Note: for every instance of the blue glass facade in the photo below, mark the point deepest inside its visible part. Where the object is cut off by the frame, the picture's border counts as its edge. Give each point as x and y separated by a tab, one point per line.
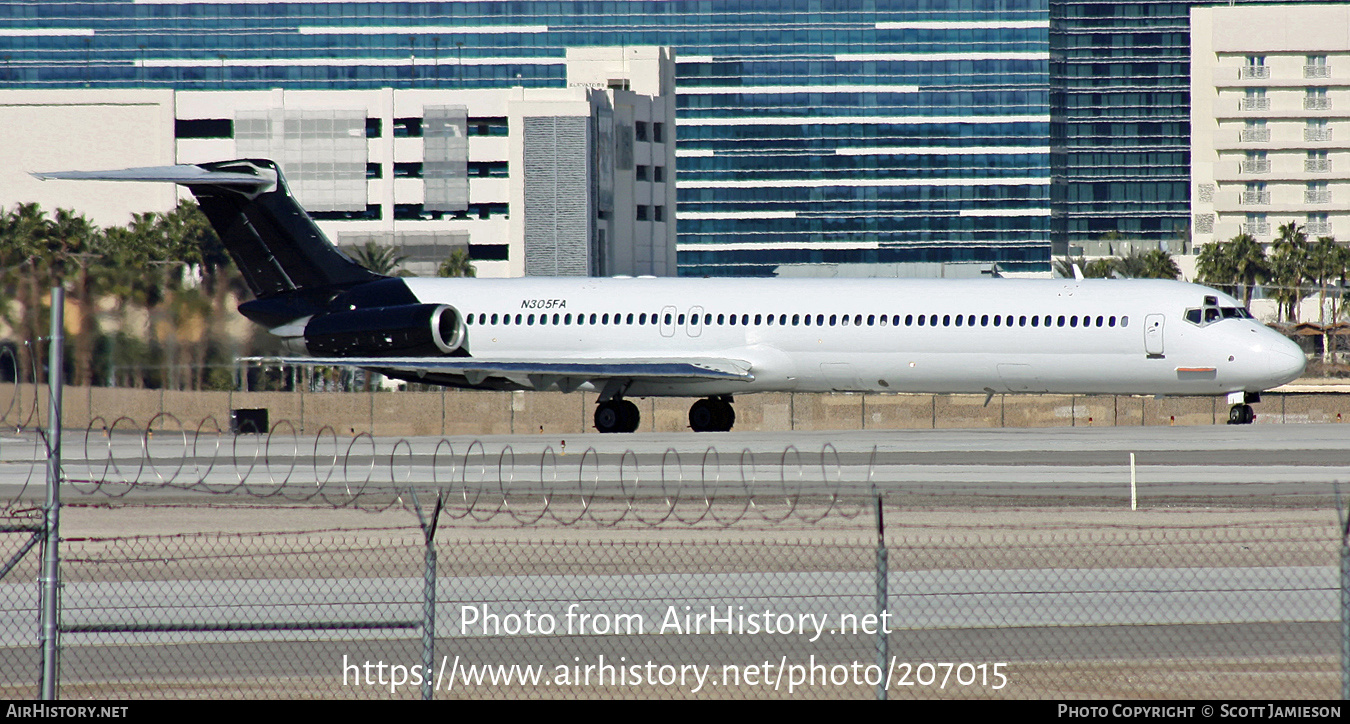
809	131
1120	103
1121	122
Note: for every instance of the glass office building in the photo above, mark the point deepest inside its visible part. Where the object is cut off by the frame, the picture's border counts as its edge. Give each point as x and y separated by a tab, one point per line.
808	131
1120	103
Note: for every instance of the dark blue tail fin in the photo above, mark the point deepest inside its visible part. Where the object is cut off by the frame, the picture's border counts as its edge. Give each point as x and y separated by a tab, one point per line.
288	263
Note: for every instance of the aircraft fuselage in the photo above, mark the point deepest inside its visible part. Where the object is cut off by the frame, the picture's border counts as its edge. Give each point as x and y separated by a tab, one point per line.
883	335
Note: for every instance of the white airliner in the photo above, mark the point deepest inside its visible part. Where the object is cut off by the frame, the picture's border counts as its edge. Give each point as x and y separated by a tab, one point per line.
717	338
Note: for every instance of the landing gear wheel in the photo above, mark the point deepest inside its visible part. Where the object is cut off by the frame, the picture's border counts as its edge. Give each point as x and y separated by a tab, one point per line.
1241	415
703	416
726	416
628	416
617	416
711	416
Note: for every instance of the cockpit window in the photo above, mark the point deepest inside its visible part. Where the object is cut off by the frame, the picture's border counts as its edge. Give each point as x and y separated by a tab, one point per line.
1209	315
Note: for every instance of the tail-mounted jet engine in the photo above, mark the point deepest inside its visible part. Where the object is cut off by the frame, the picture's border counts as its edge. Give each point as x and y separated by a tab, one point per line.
409	330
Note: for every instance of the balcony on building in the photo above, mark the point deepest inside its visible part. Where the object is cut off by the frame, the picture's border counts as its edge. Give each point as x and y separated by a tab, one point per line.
1257	228
1250	198
1317	228
1316	103
1254	104
1252	72
1316	71
1317	134
1317	165
1256	165
1256	135
1317	196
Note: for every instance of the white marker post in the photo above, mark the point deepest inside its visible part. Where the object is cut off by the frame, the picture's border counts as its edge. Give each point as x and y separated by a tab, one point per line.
1134	499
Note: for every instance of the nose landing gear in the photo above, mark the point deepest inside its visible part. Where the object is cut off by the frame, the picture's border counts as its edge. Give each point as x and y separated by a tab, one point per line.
1241	411
1241	415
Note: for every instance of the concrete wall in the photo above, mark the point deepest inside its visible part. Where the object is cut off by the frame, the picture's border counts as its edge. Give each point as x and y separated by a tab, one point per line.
452	412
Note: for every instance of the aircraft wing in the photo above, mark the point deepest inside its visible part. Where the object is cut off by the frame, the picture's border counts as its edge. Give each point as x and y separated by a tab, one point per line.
566	374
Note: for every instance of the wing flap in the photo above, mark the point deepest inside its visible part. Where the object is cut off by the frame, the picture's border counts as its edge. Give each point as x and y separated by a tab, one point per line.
542	374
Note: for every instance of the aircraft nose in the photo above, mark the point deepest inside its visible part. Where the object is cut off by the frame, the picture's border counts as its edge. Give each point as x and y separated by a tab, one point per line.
1285	362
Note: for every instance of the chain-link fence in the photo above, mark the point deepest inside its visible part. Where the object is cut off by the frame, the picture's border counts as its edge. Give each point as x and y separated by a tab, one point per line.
317	602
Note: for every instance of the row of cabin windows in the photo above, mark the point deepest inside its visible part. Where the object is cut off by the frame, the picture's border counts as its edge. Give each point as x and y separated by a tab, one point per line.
807	320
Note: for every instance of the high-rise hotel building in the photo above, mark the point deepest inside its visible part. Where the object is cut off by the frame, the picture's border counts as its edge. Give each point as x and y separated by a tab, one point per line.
1270	138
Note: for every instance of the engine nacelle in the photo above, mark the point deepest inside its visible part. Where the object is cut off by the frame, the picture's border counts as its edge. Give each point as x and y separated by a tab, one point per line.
409	330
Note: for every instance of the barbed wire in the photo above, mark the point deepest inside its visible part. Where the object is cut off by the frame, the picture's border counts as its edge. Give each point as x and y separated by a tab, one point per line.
118	457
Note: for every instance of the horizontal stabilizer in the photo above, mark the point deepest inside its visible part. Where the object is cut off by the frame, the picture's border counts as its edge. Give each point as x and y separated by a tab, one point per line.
183	174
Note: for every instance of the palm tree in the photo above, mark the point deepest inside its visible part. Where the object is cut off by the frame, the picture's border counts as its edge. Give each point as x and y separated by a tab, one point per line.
23	256
377	258
1249	263
1152	264
1327	263
74	240
1095	269
1064	267
1214	266
124	277
1235	266
1289	268
457	264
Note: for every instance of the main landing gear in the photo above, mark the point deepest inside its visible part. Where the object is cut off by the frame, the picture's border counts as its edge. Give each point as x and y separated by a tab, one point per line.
617	415
714	414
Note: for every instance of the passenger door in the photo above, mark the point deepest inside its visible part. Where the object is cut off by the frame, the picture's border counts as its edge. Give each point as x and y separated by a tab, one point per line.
1153	335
